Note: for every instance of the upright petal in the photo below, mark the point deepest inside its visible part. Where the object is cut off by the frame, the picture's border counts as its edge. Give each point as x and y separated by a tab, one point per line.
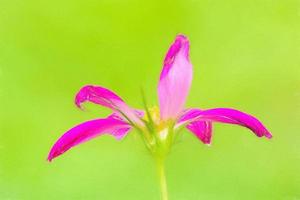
229	116
109	99
175	79
86	131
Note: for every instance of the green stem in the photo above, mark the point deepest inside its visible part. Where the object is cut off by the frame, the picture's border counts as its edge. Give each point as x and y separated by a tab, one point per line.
160	163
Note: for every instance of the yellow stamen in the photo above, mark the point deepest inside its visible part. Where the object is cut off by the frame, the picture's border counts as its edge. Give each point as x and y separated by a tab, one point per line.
154	114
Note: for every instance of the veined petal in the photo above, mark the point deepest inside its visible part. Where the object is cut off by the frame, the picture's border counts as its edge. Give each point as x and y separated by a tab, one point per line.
109	99
175	79
202	129
86	131
229	116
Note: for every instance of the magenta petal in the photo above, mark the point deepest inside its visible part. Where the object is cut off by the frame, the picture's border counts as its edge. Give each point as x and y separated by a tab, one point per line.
109	99
97	95
86	131
175	79
229	116
202	129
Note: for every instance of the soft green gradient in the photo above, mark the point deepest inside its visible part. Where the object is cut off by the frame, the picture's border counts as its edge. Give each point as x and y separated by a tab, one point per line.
246	55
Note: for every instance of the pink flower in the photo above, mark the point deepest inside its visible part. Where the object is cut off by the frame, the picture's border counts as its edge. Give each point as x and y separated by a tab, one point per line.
156	126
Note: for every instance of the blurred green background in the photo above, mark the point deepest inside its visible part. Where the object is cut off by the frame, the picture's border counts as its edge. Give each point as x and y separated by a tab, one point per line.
246	55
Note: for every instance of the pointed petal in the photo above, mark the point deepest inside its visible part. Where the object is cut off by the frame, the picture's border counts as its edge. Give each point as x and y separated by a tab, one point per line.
86	131
229	116
109	99
175	79
202	129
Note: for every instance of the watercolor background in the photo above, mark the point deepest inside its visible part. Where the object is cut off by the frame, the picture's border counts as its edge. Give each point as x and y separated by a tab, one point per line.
246	55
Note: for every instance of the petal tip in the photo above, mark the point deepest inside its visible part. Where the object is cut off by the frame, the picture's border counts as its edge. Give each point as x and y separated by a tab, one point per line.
79	105
182	38
268	135
49	158
52	154
207	142
181	43
82	95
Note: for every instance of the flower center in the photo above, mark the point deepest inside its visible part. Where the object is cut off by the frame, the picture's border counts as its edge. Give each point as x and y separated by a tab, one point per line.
161	127
154	115
159	133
